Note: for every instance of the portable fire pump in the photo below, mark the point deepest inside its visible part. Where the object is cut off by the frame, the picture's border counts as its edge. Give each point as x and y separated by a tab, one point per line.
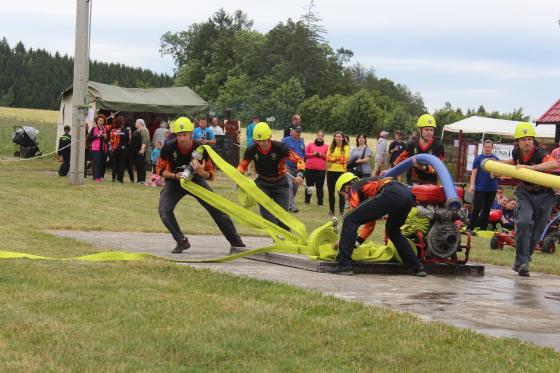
442	243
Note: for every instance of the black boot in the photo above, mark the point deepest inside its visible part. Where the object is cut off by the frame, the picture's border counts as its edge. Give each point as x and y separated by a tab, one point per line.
419	271
234	248
523	270
181	246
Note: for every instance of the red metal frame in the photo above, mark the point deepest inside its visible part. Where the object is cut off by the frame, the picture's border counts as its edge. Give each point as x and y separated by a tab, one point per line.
505	238
425	259
508	238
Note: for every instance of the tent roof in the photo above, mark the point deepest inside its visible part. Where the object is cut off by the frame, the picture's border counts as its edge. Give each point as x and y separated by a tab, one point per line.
491	126
551	116
172	100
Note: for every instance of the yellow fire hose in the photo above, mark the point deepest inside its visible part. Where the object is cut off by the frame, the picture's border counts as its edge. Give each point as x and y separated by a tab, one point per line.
524	174
318	246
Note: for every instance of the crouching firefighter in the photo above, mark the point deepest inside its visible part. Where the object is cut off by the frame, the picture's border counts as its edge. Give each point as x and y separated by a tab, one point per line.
176	158
370	199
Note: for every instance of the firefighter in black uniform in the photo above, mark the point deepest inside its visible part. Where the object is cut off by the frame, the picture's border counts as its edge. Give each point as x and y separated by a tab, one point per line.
64	151
426	144
534	202
370	199
174	155
269	158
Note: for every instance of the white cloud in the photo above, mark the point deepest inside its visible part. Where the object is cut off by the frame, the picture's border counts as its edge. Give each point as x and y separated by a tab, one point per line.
480	68
379	31
402	16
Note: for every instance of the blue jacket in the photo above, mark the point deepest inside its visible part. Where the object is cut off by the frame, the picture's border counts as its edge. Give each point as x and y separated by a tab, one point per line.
297	146
249	133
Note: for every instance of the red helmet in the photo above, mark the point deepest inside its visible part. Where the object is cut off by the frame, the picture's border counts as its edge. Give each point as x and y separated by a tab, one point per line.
494	216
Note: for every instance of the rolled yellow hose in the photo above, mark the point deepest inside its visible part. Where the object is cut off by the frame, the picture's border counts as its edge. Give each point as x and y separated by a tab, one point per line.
524	174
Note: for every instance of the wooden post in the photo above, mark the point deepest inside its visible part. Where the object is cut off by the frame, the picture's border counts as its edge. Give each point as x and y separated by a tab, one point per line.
459	157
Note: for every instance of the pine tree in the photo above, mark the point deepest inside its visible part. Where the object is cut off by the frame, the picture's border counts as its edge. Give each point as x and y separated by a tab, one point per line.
35	78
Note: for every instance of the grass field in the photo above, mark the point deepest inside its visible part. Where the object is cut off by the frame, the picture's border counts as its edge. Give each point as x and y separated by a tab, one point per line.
156	316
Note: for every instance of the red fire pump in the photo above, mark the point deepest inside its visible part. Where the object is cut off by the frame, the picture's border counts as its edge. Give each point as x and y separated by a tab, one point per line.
443	240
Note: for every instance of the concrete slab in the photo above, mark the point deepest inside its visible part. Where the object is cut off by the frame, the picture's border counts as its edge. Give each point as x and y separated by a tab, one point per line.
499	304
303	262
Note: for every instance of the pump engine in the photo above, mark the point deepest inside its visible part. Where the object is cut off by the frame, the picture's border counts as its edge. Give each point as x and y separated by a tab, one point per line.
443	239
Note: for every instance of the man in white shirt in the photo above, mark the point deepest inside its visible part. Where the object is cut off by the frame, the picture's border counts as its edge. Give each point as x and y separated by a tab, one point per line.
380	154
159	134
215	127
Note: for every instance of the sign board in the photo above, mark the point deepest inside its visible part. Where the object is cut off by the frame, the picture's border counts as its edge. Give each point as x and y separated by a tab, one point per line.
471	154
90	116
502	151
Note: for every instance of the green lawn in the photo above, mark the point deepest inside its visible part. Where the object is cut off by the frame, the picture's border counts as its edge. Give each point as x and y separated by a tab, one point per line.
547	263
157	316
154	316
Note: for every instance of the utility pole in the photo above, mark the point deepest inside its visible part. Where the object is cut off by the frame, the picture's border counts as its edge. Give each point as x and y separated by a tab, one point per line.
79	90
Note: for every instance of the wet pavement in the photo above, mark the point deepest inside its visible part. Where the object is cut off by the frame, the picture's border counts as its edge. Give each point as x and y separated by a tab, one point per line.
499	304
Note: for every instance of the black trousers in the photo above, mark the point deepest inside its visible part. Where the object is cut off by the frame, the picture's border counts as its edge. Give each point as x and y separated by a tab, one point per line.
140	164
482	204
279	192
119	160
65	166
130	165
395	200
315	178
99	159
172	193
332	177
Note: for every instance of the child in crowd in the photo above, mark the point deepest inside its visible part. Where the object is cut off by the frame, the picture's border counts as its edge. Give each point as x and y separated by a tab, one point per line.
500	202
64	151
508	221
155	155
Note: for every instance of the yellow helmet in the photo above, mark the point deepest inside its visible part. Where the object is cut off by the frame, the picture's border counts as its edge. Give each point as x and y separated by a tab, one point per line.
426	120
524	129
182	124
261	131
344	179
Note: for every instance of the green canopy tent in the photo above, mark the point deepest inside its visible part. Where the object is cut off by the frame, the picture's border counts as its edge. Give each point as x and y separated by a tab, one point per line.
172	101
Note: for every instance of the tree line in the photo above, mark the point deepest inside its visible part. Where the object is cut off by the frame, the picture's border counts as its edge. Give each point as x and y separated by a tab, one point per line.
292	69
34	78
289	69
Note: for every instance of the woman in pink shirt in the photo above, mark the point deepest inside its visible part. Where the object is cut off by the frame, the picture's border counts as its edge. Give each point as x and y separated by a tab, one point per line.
315	166
98	139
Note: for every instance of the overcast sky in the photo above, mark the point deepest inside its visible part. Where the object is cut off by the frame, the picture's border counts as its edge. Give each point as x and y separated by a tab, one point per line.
501	54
